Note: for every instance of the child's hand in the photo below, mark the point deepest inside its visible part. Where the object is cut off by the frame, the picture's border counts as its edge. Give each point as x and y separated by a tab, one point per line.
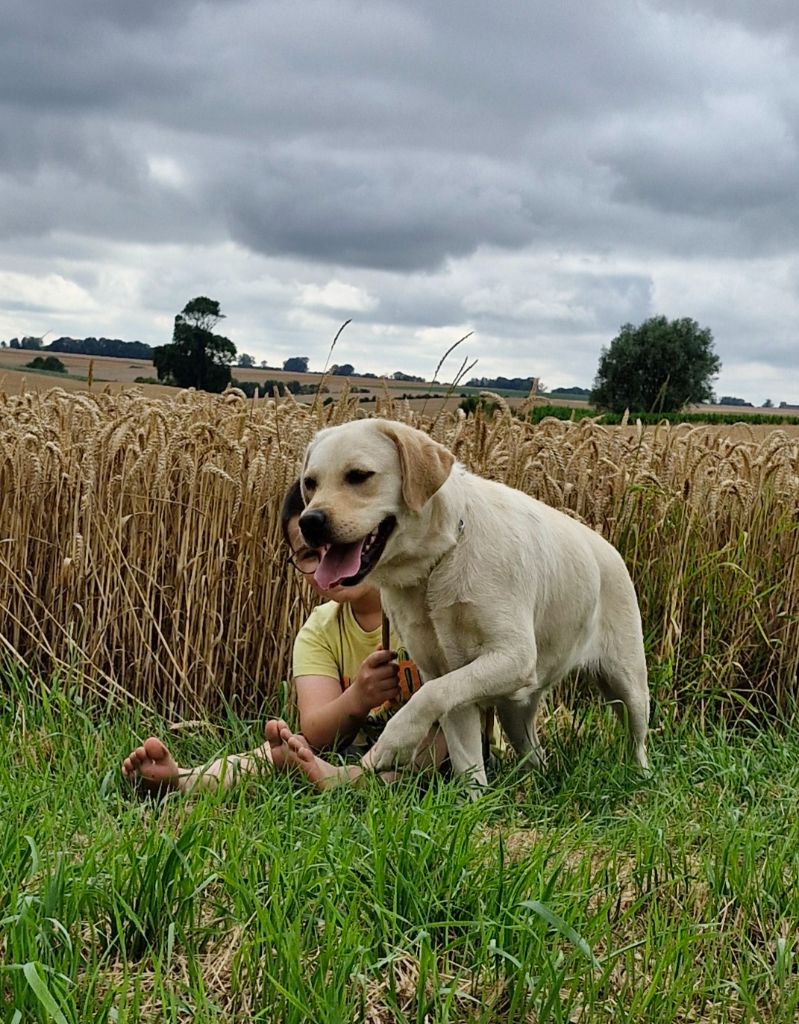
377	681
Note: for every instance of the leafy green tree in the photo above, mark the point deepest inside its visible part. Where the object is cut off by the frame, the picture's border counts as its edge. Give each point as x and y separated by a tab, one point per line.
659	366
345	370
296	364
52	364
197	357
246	361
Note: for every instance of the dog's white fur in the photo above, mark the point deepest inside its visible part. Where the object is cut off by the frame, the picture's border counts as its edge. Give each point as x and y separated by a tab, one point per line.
495	595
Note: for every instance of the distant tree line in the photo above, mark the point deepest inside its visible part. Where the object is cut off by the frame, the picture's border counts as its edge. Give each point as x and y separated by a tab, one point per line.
732	400
583	392
409	377
102	347
519	384
87	347
506	383
267	388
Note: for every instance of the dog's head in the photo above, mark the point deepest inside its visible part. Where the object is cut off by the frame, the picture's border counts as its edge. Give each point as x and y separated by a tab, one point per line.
358	481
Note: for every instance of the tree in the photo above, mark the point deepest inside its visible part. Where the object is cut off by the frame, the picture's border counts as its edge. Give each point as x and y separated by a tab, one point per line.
296	364
345	370
197	357
52	364
246	361
399	375
659	366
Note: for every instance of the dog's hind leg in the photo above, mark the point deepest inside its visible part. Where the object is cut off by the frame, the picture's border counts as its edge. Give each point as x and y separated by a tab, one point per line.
464	737
518	719
625	687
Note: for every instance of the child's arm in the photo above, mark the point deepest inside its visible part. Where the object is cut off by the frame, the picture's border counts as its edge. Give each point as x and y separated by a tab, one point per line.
330	716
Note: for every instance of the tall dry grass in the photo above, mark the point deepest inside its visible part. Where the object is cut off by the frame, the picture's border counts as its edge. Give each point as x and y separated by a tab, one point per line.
140	546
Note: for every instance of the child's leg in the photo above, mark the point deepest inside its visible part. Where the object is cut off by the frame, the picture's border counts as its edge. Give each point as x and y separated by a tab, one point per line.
431	754
153	767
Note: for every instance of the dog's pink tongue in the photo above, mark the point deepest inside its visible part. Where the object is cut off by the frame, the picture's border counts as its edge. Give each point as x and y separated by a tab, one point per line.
339	563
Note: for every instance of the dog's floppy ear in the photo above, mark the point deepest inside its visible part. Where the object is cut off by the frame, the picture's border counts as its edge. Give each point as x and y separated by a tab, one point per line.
424	463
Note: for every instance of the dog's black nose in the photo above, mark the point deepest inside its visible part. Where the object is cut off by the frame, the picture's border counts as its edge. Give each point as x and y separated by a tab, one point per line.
315	527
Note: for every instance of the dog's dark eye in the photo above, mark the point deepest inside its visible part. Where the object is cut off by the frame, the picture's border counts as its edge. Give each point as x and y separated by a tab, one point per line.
309	484
358	476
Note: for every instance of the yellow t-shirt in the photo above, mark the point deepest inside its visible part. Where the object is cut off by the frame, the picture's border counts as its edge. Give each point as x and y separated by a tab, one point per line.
331	643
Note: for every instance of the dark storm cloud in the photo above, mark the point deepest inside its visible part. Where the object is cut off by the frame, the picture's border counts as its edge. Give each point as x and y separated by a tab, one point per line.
448	166
386	212
388	135
90	55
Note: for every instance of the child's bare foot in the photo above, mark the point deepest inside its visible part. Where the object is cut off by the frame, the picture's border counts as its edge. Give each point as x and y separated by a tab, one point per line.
279	752
317	771
152	767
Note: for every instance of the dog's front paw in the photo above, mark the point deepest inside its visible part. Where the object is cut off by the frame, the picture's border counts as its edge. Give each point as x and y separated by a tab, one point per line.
397	744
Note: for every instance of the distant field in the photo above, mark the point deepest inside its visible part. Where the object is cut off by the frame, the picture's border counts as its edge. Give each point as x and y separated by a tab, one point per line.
117	375
16	378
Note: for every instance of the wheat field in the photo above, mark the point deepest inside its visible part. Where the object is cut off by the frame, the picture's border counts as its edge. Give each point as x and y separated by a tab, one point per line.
141	557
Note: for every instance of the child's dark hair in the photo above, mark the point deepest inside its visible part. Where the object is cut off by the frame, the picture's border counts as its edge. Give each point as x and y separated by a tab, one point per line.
292	507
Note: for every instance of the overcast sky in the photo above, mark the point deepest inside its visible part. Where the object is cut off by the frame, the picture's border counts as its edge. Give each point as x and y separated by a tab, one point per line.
538	172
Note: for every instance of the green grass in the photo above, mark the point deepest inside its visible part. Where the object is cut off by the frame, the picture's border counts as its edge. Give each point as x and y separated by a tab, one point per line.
57	374
586	894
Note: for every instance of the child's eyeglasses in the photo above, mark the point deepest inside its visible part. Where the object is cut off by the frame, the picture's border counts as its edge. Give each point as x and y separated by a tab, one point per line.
306	561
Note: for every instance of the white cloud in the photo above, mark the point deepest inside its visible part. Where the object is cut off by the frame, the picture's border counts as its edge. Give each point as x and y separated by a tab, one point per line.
166	170
339	296
29	299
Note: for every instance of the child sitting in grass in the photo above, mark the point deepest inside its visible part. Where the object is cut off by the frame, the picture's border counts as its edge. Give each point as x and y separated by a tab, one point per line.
347	687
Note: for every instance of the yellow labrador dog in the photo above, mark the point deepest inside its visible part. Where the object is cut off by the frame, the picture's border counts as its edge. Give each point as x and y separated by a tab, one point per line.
495	595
